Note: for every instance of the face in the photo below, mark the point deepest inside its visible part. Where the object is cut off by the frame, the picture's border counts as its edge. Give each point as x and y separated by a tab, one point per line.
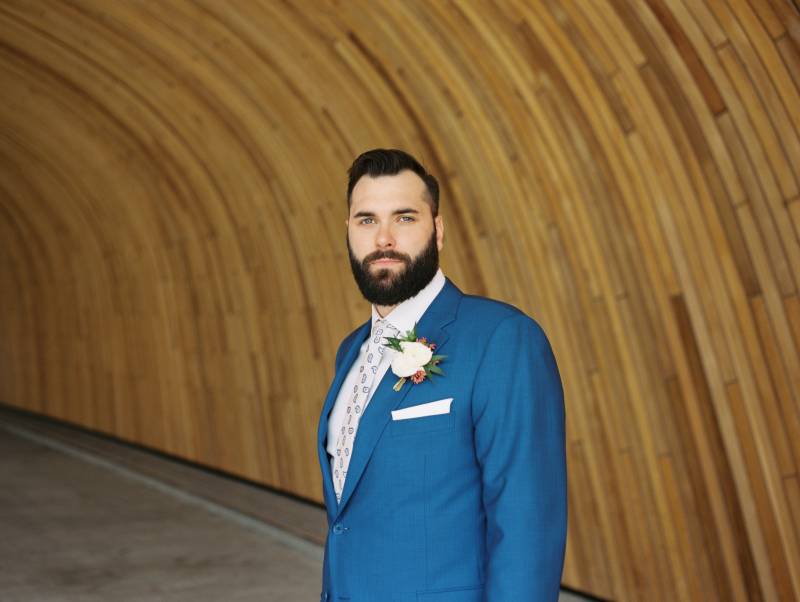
392	237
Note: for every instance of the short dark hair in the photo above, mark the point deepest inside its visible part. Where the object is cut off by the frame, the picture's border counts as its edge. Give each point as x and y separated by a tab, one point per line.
390	162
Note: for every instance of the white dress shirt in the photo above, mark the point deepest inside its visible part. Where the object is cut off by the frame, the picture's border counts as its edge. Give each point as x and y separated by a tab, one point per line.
403	317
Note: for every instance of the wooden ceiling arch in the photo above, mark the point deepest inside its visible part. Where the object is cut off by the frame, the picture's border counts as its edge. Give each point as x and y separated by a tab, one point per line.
173	269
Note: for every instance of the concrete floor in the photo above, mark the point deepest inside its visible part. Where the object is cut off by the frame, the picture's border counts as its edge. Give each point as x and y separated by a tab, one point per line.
82	520
73	530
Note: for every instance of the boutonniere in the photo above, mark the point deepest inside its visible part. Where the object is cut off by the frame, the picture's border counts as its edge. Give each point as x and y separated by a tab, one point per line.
415	358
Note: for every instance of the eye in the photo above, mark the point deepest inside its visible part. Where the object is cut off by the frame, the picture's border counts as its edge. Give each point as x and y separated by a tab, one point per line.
407	218
366	220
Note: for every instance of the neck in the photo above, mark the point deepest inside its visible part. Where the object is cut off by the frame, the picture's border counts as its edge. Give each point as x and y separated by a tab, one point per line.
384	310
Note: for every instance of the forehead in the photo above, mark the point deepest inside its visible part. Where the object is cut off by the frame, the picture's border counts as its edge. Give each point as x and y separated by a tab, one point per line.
385	192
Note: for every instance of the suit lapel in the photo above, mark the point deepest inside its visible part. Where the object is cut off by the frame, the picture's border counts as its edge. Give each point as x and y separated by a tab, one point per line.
375	418
322	430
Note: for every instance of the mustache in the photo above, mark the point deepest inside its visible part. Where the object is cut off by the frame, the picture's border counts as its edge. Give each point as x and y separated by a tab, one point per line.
386	255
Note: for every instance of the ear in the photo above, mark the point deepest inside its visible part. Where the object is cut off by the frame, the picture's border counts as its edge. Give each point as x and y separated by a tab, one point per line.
439	231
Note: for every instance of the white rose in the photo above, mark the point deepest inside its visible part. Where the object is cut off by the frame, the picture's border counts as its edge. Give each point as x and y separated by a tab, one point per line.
413	357
419	352
403	366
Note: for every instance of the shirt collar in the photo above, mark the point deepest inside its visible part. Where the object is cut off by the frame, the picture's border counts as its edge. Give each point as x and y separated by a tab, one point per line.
409	312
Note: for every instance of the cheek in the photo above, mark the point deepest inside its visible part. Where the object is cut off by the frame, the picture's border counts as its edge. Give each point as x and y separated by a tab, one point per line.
417	240
358	244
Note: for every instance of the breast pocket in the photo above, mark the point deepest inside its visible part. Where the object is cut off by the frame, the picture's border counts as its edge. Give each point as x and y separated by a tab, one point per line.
439	423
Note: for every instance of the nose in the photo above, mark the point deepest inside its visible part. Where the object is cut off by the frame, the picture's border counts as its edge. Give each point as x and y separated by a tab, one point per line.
384	239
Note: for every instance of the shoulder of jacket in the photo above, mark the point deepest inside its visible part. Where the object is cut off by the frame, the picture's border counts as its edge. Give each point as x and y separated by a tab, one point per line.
490	309
488	315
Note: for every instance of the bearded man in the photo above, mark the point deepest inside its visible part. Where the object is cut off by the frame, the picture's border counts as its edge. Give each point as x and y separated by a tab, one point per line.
441	440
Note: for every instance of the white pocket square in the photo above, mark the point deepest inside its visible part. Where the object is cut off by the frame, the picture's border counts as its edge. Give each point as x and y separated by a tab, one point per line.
432	408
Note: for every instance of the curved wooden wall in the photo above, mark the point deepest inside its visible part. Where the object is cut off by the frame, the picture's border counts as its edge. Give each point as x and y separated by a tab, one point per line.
173	268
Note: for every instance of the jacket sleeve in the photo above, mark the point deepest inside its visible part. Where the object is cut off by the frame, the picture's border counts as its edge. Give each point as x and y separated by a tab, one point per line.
518	412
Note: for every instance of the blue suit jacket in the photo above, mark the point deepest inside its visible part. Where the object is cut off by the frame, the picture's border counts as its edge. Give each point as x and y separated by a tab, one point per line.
469	506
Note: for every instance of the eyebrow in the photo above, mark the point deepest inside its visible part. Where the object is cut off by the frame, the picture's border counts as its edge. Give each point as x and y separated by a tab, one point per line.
395	212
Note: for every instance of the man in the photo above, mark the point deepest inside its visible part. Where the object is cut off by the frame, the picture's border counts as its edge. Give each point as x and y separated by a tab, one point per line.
444	469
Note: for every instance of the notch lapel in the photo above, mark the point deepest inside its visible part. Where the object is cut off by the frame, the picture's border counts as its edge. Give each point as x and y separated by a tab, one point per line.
322	429
378	412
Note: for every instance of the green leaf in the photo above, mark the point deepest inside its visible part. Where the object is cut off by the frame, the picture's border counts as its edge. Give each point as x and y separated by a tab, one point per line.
393	343
436	370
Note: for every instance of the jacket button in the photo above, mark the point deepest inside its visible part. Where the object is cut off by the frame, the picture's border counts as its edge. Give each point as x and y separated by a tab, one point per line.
338	528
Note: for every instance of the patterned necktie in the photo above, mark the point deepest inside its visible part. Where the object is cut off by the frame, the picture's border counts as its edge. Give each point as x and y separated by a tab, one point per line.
358	402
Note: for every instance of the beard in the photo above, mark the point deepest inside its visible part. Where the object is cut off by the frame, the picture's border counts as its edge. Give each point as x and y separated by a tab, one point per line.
386	287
